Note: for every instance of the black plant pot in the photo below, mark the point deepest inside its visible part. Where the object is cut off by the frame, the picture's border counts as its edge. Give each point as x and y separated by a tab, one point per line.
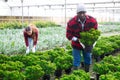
58	73
97	76
97	59
67	71
46	77
102	56
107	54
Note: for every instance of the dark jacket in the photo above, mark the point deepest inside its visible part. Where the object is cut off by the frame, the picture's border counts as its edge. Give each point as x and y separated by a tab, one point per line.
74	28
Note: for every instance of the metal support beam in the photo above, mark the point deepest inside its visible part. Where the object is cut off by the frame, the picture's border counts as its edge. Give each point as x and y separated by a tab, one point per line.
22	12
65	12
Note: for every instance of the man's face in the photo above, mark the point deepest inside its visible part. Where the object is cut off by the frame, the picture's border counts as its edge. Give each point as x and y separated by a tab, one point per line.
81	14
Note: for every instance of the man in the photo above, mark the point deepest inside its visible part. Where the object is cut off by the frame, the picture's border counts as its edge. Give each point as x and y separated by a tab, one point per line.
79	23
31	37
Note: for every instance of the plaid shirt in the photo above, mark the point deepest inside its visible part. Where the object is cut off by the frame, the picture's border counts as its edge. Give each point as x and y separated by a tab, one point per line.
74	27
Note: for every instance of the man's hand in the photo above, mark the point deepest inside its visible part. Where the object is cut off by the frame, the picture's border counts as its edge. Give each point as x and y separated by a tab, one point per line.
82	45
28	50
94	44
74	39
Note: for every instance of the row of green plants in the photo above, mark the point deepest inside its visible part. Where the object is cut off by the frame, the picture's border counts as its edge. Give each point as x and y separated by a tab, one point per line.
18	25
110	28
76	75
34	66
106	45
109	23
111	76
110	65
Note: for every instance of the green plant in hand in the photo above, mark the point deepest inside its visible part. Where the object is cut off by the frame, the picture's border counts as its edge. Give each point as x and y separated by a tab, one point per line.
89	37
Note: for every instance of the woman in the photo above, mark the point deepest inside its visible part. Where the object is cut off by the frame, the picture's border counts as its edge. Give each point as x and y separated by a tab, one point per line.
31	37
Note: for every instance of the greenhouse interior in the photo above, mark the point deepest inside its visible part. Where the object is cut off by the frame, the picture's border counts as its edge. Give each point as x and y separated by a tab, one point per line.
59	39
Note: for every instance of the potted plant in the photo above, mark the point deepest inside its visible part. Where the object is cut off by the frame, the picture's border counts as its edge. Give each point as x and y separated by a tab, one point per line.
63	63
88	38
48	68
68	63
33	72
13	75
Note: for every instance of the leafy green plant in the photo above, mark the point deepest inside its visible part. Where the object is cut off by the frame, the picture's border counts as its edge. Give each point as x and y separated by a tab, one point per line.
76	75
110	76
13	75
89	37
101	68
33	72
52	54
10	66
30	60
97	51
107	77
63	62
47	66
4	58
1	74
70	77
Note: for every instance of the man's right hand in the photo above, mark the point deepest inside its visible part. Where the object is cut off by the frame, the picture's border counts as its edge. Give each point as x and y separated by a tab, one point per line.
74	38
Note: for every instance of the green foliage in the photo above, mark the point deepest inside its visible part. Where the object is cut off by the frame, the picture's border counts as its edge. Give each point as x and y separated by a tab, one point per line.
18	25
110	76
70	77
13	75
65	60
106	45
4	58
47	66
109	23
112	60
107	77
108	64
97	51
52	54
10	66
17	57
30	60
1	73
89	37
76	75
43	24
55	53
68	47
101	68
44	56
12	25
33	72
